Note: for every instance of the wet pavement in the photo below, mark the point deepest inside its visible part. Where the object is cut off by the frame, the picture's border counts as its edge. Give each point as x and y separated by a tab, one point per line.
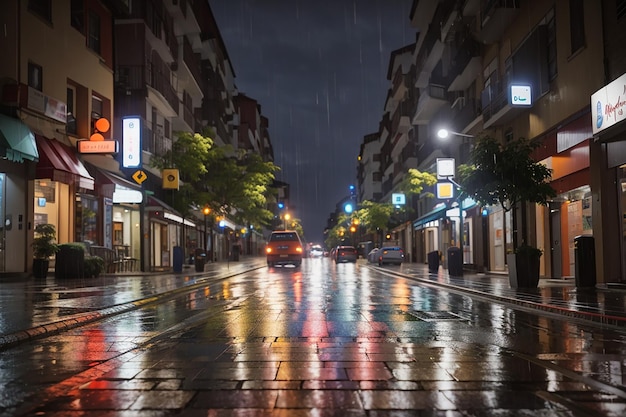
349	343
33	308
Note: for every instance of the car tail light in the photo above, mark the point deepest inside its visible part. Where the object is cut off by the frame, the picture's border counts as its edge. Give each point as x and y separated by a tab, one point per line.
299	249
268	250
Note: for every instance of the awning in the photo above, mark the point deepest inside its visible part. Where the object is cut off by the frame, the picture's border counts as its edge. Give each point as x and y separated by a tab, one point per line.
169	213
429	217
17	142
119	189
59	163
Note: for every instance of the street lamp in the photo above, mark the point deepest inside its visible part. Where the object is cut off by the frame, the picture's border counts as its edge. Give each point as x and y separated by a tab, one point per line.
444	133
286	218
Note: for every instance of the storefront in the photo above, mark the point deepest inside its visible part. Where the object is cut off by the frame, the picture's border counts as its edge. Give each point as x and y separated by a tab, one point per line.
18	156
63	194
608	179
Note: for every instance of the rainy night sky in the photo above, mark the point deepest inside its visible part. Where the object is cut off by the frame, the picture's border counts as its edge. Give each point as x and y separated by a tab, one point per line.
318	68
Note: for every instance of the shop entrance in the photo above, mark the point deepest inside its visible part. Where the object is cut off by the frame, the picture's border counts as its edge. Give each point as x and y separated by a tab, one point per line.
623	215
2	226
555	240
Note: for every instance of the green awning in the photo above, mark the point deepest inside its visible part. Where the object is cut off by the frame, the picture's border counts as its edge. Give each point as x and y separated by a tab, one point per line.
17	142
435	214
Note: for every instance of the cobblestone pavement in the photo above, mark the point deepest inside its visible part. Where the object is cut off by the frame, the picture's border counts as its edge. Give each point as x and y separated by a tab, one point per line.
335	340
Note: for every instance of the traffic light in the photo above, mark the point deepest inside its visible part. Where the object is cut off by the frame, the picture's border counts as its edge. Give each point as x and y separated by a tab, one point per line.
281	205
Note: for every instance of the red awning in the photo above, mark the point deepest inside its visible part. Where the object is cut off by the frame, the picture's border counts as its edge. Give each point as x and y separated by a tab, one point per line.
58	162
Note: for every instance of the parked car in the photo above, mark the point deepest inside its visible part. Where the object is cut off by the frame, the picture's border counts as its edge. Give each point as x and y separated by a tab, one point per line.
284	248
390	255
316	251
372	256
345	254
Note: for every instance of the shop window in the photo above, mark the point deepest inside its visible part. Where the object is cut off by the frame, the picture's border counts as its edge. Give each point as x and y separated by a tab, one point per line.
87	220
42	8
44	189
35	76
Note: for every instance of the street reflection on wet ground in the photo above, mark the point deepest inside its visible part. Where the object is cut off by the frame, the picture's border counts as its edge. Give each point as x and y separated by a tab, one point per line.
321	340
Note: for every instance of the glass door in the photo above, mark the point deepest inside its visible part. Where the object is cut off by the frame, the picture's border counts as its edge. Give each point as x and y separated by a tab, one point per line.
2	229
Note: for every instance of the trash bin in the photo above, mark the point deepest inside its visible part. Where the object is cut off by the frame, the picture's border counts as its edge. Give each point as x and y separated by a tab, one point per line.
178	259
200	259
433	262
455	261
585	261
235	252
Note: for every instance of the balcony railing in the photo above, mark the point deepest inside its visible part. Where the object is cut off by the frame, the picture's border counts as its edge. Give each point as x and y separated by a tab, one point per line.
137	77
159	79
192	60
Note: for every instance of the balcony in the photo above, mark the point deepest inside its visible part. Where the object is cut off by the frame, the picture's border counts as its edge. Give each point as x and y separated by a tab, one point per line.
192	61
155	79
497	15
399	85
466	65
422	12
428	56
431	99
408	156
401	120
154	143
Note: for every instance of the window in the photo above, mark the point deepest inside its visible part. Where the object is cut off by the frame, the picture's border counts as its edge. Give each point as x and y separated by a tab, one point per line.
621	8
70	126
77	15
576	24
42	8
35	76
551	25
93	38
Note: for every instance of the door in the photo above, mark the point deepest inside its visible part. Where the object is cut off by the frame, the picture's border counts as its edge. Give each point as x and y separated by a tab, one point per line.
2	226
623	214
555	240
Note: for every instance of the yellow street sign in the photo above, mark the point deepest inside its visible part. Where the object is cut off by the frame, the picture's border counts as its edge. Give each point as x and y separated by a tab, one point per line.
139	176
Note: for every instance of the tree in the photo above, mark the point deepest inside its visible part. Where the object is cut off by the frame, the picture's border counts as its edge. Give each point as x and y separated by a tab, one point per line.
506	175
414	182
233	183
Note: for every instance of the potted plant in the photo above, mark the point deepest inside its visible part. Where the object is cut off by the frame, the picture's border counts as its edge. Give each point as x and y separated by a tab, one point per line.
70	261
505	174
94	265
44	247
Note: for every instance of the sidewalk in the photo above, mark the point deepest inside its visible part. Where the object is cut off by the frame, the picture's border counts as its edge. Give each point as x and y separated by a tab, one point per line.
32	308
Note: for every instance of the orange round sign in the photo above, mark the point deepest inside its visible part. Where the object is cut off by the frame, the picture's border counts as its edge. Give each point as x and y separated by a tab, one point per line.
102	125
96	137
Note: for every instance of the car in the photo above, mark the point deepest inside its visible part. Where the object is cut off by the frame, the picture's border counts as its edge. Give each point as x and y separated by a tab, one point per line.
316	251
284	247
372	256
345	254
390	255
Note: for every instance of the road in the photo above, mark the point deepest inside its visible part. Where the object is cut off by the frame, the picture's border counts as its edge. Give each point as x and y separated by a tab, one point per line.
321	340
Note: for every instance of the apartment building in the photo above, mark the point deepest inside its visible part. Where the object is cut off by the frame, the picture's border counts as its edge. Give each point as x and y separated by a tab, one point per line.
57	82
471	61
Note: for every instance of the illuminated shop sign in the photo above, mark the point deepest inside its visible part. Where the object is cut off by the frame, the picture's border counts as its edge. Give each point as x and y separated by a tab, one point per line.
131	147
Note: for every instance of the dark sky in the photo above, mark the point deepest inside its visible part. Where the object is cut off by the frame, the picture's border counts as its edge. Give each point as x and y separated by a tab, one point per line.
318	68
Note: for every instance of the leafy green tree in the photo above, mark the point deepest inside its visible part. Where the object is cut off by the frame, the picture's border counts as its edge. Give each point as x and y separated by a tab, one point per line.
233	183
414	182
505	174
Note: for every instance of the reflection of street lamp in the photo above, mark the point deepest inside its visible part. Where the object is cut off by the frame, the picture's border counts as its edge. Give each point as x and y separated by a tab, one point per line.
286	218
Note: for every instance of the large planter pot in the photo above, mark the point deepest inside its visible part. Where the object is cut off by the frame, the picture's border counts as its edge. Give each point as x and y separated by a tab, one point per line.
40	268
70	262
523	270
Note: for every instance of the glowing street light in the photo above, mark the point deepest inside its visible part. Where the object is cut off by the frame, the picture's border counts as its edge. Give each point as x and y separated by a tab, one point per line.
444	133
286	218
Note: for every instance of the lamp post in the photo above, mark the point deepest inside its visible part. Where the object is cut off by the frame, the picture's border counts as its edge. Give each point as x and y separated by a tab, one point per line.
286	218
444	134
206	211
